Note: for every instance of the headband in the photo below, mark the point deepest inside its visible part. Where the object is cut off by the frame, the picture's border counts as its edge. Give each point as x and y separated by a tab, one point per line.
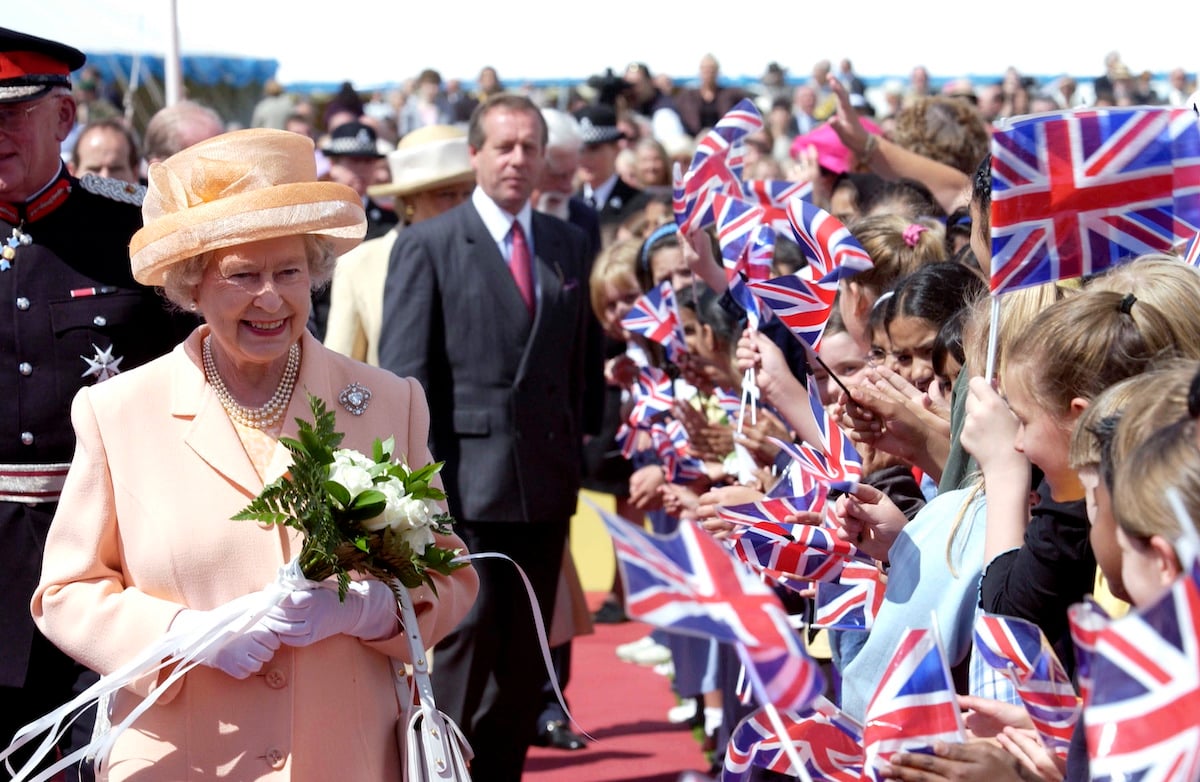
660	233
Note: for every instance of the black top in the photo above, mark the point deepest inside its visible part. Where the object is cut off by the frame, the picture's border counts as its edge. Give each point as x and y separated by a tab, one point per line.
1054	568
68	296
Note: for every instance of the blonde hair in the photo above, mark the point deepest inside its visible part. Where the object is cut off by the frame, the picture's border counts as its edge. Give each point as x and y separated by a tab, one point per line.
1160	399
1095	426
1166	459
1168	284
882	236
1083	344
616	264
1016	309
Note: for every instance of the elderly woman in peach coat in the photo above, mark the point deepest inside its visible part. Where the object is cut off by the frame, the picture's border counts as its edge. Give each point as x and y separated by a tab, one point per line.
237	230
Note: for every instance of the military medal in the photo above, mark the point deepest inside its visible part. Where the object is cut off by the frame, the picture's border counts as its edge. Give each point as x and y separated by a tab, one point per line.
102	366
355	398
7	253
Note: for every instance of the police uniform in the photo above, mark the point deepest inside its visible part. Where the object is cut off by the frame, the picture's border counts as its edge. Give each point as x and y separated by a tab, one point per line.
70	315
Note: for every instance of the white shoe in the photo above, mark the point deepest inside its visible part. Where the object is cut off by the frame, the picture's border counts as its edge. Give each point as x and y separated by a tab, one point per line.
655	654
684	712
665	669
627	651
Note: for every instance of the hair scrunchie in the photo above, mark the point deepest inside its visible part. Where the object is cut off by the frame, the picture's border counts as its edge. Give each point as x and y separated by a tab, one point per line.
912	234
1126	305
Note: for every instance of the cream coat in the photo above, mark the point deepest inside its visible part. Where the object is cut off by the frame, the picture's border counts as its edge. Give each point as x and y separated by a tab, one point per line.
356	299
143	531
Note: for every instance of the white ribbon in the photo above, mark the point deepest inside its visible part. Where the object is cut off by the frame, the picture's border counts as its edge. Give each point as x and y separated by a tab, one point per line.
180	651
538	625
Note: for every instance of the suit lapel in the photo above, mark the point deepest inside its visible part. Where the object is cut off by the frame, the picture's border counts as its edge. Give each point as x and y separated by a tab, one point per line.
211	435
483	258
313	379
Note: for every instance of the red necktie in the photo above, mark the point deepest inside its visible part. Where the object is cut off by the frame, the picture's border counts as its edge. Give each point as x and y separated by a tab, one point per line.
520	265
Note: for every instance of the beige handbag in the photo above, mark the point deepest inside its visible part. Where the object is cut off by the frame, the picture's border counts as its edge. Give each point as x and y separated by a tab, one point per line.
432	748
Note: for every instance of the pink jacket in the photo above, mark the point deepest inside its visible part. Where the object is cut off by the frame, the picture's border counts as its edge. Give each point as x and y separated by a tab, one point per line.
143	530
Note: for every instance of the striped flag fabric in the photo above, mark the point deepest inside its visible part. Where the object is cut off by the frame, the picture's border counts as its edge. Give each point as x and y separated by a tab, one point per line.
852	601
828	753
1141	720
831	249
1191	252
716	167
688	583
1018	649
653	396
914	704
1086	620
655	316
1076	192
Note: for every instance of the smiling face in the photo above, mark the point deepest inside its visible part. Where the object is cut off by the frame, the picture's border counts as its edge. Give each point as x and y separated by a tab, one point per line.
256	299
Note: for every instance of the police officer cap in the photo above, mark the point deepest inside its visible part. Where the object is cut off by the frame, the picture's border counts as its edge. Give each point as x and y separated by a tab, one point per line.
31	66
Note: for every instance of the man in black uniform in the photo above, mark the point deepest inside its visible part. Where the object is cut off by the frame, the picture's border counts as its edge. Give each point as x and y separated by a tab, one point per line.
70	315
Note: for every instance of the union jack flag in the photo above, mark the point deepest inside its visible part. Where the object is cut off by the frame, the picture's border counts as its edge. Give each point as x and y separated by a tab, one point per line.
794	551
774	195
653	395
716	167
1020	651
853	601
1191	253
688	583
1142	718
842	461
655	316
736	221
1076	192
827	752
671	444
831	249
753	266
804	306
775	510
914	705
1086	619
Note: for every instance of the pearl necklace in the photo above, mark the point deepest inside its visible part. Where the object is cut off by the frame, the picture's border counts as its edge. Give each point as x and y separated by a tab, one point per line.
254	417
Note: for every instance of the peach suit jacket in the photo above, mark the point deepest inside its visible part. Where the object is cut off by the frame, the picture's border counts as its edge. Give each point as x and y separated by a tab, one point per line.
143	530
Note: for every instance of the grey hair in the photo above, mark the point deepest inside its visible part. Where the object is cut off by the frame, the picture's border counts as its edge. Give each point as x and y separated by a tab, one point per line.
563	130
181	280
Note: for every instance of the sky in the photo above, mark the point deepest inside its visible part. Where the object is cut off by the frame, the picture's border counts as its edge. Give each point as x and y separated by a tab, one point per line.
387	41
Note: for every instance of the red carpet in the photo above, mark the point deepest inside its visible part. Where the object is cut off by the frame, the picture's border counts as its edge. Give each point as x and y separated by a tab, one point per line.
624	706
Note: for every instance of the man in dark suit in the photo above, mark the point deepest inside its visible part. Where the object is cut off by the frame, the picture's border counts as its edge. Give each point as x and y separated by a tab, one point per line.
487	305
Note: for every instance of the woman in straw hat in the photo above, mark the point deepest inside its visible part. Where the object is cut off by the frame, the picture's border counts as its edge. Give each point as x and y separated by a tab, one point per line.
431	173
238	230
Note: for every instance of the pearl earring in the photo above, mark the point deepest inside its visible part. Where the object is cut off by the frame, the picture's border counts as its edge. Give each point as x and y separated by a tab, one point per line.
193	306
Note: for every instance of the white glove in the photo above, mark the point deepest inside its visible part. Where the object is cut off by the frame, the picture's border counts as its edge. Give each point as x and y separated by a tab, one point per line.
238	654
310	615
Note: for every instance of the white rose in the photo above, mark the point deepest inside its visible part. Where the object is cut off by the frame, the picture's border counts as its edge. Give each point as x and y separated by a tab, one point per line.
350	456
355	478
393	492
414	514
419	538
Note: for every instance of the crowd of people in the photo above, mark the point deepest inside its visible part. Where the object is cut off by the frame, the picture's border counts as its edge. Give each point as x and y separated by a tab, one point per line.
484	248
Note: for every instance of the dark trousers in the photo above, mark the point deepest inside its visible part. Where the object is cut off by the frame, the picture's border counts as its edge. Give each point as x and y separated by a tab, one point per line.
488	674
53	679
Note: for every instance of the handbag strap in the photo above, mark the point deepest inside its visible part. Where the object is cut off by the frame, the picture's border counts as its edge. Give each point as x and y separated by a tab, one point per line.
416	646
